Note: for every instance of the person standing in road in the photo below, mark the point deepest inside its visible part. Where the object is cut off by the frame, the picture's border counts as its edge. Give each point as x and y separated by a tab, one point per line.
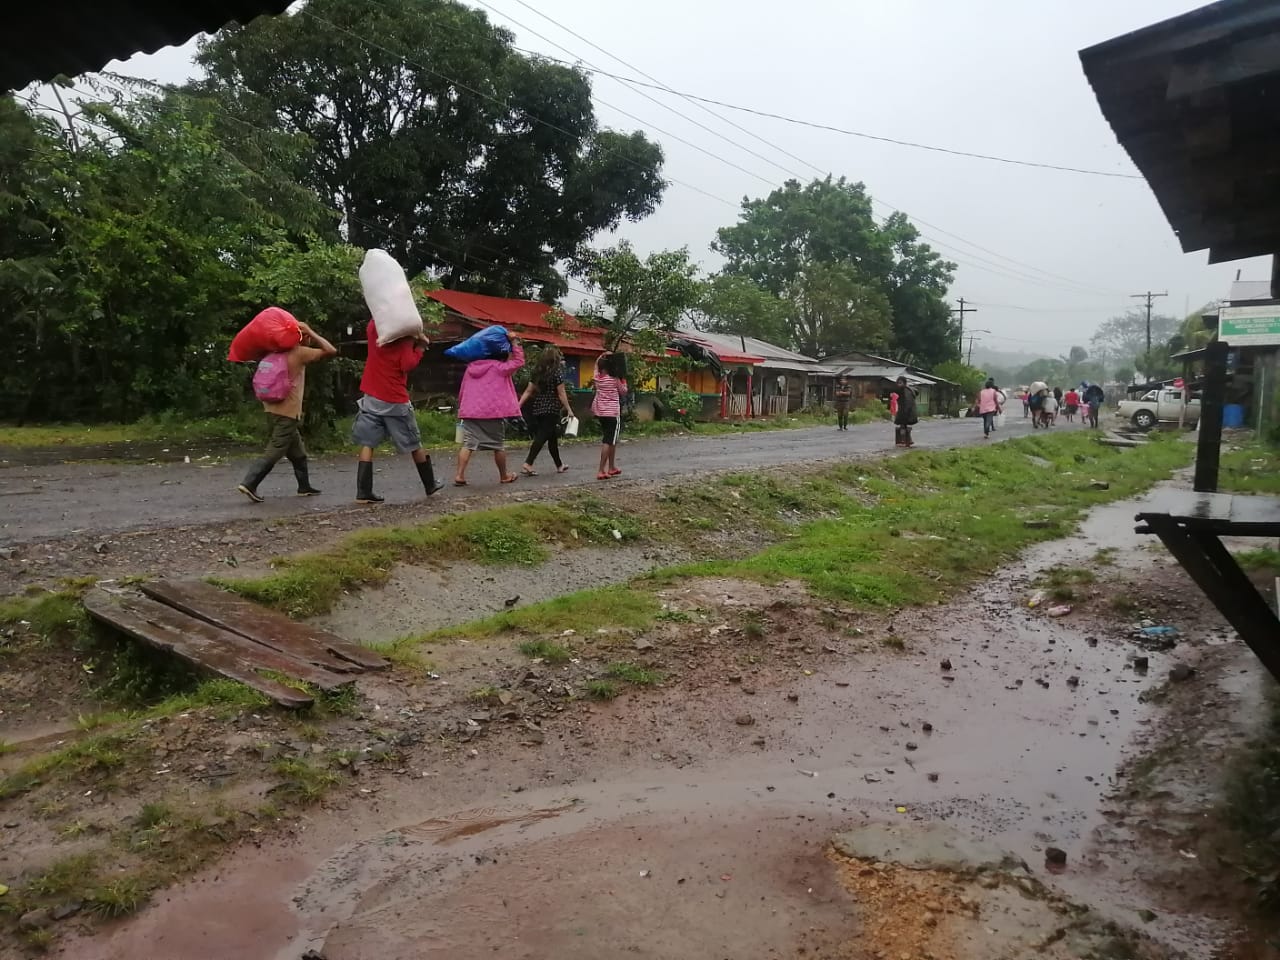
542	401
988	406
385	411
1026	404
607	407
1093	398
906	417
843	396
285	419
486	400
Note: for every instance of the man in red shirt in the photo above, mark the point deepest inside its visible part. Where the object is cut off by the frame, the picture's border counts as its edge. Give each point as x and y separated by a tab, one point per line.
1070	403
386	412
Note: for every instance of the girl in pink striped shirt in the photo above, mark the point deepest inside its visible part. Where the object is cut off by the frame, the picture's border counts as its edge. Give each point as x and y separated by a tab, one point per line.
607	407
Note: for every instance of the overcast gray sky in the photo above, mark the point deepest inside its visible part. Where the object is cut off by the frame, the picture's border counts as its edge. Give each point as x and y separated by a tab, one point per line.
988	76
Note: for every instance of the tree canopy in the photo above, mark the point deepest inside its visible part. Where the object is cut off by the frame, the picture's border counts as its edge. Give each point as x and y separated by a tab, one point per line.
436	140
844	281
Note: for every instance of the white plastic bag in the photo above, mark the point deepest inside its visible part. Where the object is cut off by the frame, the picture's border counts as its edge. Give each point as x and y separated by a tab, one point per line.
458	435
388	297
571	427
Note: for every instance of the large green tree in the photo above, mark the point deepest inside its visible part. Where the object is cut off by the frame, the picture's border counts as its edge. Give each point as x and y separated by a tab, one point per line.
1121	341
131	253
436	140
819	242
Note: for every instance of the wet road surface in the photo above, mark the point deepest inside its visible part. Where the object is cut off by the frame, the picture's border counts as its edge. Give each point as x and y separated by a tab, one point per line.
76	499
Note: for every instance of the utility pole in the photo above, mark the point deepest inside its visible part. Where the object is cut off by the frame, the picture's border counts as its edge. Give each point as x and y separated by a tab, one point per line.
973	335
1148	296
959	313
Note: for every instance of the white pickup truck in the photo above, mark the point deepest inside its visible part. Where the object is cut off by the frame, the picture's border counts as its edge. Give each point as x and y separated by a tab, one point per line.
1157	406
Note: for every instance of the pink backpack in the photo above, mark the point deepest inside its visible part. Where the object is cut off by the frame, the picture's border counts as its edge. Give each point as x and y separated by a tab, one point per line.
271	381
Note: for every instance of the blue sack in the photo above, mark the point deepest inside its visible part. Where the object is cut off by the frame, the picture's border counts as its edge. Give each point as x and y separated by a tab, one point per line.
485	345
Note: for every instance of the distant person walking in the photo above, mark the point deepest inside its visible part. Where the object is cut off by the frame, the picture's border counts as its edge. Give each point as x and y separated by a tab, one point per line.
284	419
1026	404
1070	404
989	400
542	402
843	396
384	411
893	405
906	417
486	400
1093	398
607	406
1048	409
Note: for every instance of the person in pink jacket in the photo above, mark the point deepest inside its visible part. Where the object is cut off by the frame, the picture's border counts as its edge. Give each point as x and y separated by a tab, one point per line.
485	401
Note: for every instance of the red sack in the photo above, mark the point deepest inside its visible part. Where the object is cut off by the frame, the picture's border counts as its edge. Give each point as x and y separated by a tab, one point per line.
272	331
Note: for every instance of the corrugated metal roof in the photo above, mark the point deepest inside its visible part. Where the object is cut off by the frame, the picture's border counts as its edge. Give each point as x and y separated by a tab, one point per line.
1245	290
528	318
1192	100
731	353
41	40
754	346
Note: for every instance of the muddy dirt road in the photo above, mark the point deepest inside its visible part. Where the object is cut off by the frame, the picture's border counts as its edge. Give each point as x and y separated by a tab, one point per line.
82	499
695	823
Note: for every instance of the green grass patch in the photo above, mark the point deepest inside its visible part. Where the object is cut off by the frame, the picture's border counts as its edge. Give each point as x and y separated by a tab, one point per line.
65	876
311	583
244	428
48	614
1251	469
601	689
118	897
584	612
1264	560
634	673
302	784
546	650
89	758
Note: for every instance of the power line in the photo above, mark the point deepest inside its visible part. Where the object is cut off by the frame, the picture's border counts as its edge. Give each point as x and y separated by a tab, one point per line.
1010	274
659	85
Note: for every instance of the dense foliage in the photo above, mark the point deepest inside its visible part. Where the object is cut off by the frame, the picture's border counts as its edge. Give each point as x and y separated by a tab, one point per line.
140	232
810	267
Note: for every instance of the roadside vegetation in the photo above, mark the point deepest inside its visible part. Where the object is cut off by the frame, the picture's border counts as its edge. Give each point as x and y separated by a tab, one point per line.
1252	811
1254	468
902	531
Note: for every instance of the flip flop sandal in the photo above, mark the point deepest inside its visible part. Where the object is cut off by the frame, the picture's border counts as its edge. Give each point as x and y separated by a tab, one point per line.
459	483
615	473
603	476
511	479
528	473
562	469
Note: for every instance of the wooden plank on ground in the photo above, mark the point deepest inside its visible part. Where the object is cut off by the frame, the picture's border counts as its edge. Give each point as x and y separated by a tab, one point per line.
265	626
206	647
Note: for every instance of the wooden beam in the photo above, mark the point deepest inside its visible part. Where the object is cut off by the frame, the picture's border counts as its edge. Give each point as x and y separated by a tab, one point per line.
195	642
264	626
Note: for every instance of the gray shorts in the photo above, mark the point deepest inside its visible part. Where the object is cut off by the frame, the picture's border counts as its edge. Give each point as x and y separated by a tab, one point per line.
484	434
370	429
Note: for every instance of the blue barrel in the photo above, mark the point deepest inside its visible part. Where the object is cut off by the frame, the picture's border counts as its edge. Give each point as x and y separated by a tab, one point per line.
1232	415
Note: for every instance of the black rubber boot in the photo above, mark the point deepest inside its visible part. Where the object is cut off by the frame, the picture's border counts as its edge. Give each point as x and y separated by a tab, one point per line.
428	476
305	489
256	474
364	484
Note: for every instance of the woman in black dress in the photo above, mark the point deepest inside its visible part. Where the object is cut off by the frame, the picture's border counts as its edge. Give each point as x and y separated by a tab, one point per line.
544	401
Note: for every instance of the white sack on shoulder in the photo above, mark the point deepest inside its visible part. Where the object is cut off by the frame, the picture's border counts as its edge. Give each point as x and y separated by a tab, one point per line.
388	297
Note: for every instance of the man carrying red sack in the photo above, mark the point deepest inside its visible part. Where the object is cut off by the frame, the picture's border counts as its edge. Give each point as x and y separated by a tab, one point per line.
285	419
386	412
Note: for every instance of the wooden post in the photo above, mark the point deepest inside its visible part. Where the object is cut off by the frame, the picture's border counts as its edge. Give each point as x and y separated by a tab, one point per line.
1212	398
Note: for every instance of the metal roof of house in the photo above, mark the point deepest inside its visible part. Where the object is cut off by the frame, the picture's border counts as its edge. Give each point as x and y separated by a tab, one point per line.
727	349
530	319
1193	101
753	347
40	41
1243	291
